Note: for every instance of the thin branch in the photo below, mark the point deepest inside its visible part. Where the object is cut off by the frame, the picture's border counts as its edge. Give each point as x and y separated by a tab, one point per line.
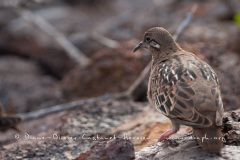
186	22
104	40
115	21
73	52
69	106
18	3
99	31
95	34
138	83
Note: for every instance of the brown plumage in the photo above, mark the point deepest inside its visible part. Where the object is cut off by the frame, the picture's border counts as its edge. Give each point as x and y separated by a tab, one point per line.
184	88
8	121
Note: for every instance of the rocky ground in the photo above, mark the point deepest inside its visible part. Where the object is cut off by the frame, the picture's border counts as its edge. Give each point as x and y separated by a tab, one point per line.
36	72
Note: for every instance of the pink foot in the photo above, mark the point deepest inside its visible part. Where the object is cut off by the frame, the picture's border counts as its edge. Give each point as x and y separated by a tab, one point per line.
189	130
166	134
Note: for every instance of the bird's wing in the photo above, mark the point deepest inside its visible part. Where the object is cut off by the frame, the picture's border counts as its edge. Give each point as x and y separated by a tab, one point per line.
173	94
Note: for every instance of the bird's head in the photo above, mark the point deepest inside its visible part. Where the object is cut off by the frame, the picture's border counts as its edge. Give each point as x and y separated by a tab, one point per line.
158	40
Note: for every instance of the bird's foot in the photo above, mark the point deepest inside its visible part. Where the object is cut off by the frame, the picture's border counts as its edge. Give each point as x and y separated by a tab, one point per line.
190	130
166	134
162	137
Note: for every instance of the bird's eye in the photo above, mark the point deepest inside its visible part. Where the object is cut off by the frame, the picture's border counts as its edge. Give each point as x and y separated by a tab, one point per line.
148	38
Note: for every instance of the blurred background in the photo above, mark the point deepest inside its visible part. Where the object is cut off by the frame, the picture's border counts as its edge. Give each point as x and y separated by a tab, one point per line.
57	51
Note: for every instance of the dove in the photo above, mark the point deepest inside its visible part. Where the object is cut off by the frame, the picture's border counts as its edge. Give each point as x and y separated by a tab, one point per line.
183	88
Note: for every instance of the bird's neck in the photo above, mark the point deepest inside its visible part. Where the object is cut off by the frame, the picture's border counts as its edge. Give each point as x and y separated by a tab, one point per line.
165	53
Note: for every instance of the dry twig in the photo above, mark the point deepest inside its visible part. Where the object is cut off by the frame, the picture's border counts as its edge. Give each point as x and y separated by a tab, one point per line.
138	86
99	31
68	106
104	40
18	3
186	22
74	53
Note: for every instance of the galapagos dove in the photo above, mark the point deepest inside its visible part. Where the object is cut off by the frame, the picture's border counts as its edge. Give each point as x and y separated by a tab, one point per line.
183	88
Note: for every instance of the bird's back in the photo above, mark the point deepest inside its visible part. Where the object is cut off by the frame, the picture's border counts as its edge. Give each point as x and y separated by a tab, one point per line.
182	86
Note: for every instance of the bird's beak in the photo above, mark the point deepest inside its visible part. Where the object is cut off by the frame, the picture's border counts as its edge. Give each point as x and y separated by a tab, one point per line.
140	45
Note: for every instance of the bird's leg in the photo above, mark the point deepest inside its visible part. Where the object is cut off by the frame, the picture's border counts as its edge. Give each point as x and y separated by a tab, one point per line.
189	130
165	135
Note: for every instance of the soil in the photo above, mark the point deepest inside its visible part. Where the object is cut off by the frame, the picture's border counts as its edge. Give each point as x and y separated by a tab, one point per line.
37	73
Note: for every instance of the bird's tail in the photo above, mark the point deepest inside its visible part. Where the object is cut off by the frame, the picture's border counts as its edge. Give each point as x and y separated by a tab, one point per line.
210	138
